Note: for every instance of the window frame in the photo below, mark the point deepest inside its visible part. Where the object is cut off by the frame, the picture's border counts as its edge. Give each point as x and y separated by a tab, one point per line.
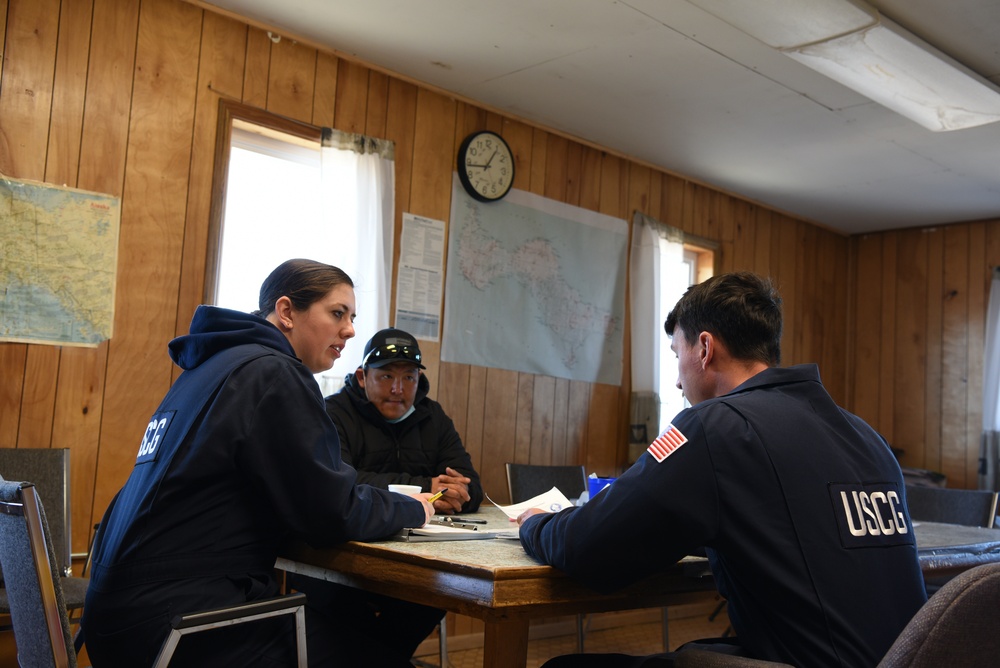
230	112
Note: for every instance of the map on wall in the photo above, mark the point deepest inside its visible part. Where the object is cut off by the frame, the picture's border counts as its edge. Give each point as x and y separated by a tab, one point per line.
58	257
535	285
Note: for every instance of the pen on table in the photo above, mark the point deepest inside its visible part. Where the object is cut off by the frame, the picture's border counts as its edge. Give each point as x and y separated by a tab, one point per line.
438	495
455	525
463	520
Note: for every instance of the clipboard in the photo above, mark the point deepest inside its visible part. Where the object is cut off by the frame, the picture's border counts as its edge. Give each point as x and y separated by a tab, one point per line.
435	532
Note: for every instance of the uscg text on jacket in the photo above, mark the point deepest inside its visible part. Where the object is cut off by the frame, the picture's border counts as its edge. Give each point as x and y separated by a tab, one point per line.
155	431
871	515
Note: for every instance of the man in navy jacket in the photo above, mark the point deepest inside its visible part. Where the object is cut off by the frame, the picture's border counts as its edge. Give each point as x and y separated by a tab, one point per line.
799	504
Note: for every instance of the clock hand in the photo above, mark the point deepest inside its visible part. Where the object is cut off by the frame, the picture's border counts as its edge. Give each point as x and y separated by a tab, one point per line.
487	165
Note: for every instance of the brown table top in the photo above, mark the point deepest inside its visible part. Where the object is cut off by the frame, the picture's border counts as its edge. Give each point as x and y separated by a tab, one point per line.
496	581
473	577
469	575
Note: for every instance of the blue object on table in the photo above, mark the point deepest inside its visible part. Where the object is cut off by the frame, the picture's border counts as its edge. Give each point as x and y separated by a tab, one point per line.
595	485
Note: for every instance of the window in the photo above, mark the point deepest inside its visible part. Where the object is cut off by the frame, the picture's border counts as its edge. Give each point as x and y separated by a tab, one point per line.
663	263
694	266
286	192
272	205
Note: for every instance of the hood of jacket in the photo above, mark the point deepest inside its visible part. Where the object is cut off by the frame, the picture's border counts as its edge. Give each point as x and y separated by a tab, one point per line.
214	329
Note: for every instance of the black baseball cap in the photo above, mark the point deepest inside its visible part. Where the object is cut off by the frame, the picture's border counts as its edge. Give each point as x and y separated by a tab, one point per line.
389	346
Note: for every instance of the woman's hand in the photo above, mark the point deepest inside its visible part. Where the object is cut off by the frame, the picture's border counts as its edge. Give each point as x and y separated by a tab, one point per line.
423	498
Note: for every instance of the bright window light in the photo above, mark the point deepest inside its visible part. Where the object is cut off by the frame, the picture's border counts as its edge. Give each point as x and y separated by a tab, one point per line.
272	214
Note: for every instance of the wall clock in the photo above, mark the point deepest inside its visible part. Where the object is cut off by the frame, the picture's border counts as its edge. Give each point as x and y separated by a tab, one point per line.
485	166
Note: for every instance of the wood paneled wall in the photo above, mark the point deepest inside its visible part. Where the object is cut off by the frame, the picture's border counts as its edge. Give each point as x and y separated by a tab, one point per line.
920	298
121	97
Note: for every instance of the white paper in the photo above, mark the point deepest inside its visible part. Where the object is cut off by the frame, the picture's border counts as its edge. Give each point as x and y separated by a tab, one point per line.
419	285
552	501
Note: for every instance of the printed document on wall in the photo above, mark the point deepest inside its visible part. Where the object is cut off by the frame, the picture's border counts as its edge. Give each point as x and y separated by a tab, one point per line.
420	280
535	285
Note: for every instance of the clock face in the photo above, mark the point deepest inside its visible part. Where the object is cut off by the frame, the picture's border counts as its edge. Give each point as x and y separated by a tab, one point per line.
486	166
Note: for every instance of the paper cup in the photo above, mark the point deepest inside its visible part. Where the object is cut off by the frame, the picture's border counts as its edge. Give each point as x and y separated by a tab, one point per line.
409	490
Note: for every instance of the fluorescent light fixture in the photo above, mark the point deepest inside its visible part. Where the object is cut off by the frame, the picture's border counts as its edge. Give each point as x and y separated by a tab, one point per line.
849	42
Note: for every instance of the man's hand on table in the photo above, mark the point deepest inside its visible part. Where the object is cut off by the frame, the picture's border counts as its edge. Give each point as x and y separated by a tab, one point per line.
458	491
529	513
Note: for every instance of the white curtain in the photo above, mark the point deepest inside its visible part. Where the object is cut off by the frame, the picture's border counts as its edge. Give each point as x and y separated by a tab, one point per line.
358	182
657	279
989	449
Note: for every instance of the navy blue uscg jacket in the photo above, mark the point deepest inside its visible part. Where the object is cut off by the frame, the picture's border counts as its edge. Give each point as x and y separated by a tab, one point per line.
408	452
800	506
239	458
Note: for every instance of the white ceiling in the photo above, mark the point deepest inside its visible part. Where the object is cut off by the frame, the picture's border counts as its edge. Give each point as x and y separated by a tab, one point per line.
666	83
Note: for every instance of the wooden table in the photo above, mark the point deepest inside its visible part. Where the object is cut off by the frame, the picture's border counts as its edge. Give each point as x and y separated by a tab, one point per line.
492	580
495	581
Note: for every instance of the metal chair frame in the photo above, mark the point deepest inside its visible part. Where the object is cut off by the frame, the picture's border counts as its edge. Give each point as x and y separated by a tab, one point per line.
49	471
181	625
56	619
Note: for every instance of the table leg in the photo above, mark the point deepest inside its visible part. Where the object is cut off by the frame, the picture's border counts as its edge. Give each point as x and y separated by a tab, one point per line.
506	644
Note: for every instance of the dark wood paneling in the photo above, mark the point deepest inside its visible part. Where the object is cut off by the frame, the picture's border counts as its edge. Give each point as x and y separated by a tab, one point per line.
955	353
909	391
920	300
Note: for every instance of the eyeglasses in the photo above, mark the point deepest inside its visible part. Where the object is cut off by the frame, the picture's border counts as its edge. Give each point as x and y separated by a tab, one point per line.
392	352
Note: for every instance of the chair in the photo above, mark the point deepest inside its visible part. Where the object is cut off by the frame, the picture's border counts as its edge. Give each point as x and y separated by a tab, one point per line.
49	471
969	507
442	629
38	612
957	627
194	622
33	580
525	481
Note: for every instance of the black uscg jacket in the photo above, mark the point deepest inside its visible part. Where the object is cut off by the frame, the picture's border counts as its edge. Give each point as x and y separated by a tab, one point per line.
408	452
799	503
239	458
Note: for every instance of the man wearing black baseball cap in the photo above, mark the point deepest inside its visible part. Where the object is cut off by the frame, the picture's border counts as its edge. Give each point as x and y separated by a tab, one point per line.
391	432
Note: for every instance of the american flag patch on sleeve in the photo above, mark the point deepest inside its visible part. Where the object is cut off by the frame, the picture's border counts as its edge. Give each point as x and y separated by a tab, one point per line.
666	443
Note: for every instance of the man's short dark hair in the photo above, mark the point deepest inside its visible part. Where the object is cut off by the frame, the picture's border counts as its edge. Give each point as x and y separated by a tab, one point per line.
741	309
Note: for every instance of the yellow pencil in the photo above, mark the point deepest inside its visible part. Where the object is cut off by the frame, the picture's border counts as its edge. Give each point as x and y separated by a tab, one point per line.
438	495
